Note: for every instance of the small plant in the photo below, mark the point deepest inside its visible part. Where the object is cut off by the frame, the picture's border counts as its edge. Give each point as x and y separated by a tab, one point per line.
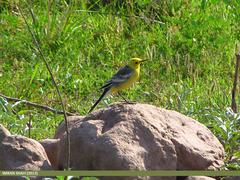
226	126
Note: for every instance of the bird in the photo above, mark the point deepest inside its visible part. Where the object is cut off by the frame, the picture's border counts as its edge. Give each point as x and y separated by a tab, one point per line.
123	79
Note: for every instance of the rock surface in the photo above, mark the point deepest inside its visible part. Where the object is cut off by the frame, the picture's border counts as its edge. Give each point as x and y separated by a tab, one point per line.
141	137
21	153
51	147
61	128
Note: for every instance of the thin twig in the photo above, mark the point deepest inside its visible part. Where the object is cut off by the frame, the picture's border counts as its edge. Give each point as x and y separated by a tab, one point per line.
235	81
54	83
6	108
28	103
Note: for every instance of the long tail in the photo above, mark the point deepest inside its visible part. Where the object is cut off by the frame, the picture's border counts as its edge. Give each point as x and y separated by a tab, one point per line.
102	96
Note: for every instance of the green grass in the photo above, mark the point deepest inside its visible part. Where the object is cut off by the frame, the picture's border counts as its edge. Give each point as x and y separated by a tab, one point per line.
191	67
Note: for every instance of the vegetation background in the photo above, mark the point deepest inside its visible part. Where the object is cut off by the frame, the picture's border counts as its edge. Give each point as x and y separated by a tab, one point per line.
191	46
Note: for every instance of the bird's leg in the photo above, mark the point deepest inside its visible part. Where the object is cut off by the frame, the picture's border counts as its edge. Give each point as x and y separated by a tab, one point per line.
126	101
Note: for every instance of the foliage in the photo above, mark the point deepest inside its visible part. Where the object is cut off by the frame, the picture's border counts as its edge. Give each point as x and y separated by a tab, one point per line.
191	46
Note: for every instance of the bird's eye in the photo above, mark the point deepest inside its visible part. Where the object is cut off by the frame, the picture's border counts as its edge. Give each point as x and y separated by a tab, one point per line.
136	62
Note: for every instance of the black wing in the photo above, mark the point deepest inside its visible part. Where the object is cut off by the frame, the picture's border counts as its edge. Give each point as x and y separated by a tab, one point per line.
121	76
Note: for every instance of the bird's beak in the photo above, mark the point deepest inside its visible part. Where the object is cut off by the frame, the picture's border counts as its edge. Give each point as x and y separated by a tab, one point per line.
143	60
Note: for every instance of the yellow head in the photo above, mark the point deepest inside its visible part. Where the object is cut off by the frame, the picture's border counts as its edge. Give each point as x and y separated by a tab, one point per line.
135	62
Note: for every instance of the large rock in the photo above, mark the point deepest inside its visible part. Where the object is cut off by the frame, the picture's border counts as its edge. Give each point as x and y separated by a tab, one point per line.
51	147
61	130
21	153
141	137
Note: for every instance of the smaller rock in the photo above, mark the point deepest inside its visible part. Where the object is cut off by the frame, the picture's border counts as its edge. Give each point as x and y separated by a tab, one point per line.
21	153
